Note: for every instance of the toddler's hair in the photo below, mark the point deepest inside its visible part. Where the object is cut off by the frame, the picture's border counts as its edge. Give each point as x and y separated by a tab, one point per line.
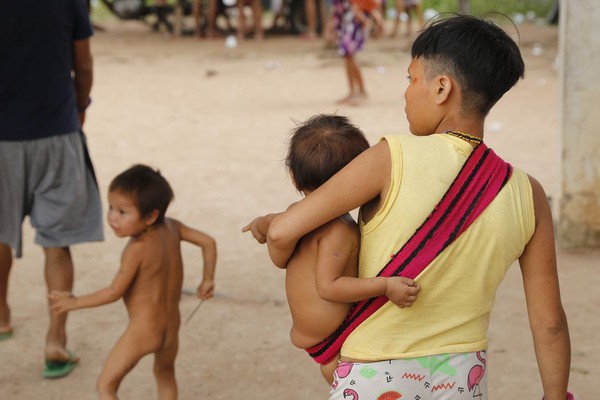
148	188
480	55
320	147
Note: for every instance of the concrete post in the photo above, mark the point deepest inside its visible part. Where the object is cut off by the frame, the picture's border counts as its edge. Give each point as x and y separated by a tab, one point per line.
578	208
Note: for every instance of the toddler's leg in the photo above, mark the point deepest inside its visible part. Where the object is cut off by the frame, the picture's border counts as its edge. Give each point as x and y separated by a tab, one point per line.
129	349
164	370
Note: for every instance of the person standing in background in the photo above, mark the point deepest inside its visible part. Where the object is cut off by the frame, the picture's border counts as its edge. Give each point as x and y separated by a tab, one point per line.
46	74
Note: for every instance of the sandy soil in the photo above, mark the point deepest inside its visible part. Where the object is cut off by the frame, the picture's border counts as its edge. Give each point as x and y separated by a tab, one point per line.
215	121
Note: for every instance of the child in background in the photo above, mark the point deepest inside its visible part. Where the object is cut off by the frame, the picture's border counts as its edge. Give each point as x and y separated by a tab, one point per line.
406	6
351	34
321	280
149	279
367	11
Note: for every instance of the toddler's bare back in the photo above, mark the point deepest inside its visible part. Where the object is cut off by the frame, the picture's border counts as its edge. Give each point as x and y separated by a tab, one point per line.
153	297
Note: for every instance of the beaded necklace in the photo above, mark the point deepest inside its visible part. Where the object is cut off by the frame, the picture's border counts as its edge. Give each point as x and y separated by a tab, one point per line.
465	136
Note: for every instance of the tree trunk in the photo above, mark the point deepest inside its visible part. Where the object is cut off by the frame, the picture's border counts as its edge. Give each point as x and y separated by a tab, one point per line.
464	6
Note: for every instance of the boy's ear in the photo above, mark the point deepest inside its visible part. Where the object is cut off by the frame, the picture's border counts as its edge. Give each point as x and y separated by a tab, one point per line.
444	86
152	217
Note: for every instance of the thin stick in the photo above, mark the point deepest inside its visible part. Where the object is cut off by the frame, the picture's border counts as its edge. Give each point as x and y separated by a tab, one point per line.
194	311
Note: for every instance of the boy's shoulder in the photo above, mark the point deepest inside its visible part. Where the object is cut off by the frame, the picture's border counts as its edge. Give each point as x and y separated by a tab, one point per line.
172	223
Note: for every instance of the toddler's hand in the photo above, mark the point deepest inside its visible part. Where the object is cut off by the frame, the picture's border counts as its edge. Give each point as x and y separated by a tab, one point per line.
61	301
401	291
206	290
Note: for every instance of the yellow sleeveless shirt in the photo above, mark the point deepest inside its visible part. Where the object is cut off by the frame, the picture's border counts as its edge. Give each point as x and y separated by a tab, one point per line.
458	289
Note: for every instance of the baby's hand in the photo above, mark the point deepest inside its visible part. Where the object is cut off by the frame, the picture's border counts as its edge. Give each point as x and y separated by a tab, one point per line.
206	290
62	301
261	237
401	291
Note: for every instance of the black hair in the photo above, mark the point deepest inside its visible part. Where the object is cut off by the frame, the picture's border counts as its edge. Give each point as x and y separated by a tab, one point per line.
320	147
479	54
148	188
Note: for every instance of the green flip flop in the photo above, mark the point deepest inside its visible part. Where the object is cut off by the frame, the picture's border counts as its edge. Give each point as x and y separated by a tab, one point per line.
6	335
59	369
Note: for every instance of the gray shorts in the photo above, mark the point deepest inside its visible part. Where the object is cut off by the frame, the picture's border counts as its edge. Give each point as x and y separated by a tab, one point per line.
51	181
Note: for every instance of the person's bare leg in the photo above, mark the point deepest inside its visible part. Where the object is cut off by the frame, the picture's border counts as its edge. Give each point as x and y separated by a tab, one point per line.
310	9
399	7
420	16
164	372
211	18
328	369
409	21
241	28
359	94
59	276
257	14
348	68
135	343
197	14
359	85
5	266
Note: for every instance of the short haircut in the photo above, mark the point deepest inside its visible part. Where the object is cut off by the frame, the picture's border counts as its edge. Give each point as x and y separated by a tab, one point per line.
148	188
320	147
480	55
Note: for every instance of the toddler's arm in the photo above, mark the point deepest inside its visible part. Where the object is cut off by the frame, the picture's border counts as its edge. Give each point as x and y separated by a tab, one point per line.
208	245
130	263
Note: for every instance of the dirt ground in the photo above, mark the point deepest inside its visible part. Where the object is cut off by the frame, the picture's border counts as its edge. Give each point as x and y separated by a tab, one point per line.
215	121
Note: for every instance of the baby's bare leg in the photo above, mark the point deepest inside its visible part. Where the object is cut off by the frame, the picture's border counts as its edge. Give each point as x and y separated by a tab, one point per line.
164	370
327	370
130	348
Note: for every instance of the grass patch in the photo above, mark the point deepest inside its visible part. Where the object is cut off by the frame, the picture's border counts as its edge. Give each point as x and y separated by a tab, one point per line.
481	7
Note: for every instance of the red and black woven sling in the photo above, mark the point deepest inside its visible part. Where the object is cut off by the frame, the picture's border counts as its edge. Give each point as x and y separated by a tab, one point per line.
480	179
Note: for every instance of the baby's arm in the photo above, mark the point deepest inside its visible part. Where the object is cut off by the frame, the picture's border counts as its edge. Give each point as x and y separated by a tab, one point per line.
259	227
208	244
334	252
130	263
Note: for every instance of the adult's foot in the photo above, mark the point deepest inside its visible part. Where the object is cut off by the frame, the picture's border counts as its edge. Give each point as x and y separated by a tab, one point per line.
6	330
58	354
54	369
6	333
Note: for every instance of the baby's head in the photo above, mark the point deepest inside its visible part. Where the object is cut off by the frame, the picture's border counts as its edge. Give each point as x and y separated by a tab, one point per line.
148	191
320	147
478	54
